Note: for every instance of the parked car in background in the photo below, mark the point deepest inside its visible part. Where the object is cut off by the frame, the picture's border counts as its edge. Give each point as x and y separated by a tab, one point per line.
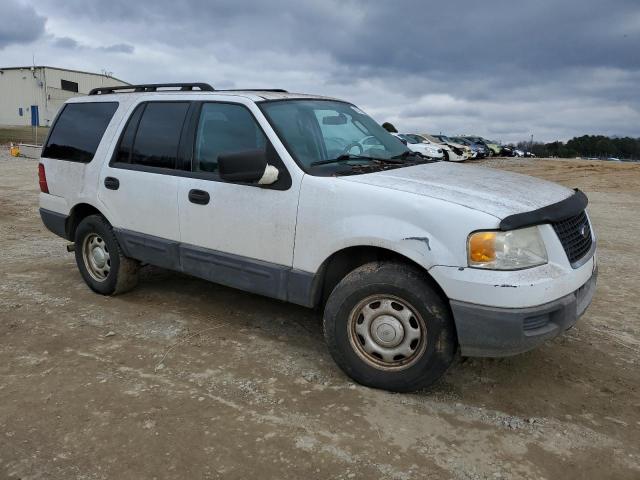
506	151
518	153
426	148
453	151
440	138
492	148
449	154
478	148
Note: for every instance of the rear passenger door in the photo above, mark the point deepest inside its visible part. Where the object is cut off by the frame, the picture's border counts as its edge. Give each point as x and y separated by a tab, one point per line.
236	234
139	186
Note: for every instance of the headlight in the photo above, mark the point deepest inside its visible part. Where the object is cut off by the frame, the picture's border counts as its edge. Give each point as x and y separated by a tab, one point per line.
512	250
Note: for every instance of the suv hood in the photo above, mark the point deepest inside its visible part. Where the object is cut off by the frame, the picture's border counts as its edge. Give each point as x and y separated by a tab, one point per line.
495	192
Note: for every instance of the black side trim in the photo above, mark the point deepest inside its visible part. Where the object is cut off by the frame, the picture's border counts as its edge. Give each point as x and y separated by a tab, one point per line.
304	288
149	249
555	212
55	222
248	274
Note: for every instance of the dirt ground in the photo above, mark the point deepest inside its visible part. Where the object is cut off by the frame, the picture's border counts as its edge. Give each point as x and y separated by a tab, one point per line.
184	379
23	135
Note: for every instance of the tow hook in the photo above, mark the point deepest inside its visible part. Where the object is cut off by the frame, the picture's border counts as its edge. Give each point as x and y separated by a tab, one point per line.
71	247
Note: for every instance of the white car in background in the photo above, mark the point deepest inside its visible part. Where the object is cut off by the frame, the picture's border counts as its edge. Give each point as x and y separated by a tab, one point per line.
421	145
454	152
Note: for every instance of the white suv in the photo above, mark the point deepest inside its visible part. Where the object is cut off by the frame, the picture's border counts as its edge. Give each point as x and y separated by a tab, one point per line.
308	200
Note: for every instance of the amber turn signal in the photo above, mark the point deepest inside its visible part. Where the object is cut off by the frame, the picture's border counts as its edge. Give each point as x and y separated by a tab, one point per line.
482	247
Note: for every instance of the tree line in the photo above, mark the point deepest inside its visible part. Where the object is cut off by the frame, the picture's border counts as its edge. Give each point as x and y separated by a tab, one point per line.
586	146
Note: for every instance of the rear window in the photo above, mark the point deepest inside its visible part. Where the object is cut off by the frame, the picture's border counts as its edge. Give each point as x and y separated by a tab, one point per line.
78	130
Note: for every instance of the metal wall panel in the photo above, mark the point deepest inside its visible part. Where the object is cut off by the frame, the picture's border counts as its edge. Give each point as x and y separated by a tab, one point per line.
22	88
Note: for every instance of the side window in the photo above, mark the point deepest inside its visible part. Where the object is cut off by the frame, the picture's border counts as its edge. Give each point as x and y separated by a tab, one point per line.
225	128
77	132
123	155
158	134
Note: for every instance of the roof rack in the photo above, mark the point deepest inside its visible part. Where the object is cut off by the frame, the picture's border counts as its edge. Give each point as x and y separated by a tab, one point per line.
153	87
276	90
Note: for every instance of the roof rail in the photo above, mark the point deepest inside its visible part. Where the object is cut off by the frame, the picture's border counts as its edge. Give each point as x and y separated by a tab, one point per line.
152	87
277	90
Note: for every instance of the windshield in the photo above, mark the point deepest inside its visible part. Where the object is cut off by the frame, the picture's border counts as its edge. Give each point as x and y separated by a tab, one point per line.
316	131
444	138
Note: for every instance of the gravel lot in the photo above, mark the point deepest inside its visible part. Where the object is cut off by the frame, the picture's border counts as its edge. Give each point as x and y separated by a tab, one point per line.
186	379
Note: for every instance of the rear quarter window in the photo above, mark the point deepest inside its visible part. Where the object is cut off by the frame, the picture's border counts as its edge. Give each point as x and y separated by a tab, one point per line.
77	132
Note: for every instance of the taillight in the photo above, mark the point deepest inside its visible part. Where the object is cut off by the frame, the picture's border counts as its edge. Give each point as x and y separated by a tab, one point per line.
42	179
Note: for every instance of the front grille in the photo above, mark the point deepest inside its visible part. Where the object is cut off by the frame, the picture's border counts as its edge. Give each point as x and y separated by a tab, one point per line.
575	235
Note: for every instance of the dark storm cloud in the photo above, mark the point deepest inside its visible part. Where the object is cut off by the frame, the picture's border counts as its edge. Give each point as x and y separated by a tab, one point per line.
405	36
118	48
495	66
19	23
72	44
65	42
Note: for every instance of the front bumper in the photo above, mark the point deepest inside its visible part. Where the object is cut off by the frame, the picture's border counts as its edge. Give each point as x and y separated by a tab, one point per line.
497	332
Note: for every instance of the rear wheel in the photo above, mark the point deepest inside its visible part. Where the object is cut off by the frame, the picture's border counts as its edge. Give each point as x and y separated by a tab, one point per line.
387	327
100	260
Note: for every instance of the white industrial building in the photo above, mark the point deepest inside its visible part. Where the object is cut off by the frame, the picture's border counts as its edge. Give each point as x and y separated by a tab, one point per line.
33	95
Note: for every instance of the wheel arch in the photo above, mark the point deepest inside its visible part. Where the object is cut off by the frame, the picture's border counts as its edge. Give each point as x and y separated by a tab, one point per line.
79	212
343	261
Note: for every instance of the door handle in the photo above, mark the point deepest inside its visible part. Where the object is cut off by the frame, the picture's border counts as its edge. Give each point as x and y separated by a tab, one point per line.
198	196
112	183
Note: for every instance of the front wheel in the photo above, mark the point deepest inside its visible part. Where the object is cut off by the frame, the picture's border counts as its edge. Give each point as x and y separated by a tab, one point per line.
387	327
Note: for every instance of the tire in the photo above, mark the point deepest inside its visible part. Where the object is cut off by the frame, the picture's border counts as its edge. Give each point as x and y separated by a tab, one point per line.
445	156
107	271
351	312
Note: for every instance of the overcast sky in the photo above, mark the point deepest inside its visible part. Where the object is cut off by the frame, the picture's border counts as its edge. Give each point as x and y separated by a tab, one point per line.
500	68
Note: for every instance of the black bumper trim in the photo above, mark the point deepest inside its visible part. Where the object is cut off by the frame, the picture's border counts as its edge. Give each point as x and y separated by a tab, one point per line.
55	222
499	332
555	212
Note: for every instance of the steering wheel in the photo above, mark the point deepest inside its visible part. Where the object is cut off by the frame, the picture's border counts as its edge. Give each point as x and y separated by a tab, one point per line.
348	148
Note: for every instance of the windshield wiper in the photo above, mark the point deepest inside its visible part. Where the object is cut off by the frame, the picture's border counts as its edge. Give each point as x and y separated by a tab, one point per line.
345	157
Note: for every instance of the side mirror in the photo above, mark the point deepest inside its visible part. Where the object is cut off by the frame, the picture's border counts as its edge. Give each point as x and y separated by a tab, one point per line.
247	166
